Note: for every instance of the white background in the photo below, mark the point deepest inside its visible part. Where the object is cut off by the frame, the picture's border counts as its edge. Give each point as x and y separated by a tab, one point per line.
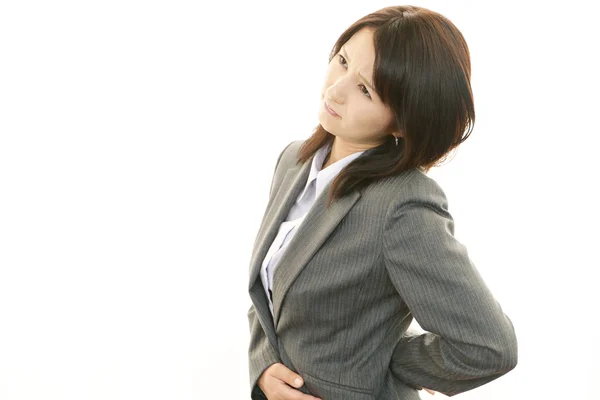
137	146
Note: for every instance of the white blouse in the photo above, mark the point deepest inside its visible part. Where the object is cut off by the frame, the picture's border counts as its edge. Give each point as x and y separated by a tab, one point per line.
316	182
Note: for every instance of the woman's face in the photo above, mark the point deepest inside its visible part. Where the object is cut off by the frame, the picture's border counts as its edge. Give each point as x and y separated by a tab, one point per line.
362	119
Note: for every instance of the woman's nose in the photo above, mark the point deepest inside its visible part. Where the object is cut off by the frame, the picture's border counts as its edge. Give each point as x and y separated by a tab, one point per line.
337	93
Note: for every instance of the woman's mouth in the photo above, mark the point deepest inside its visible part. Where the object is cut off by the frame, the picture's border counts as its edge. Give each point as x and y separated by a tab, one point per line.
329	110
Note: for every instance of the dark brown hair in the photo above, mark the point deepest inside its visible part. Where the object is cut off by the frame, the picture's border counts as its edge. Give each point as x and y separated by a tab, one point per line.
422	71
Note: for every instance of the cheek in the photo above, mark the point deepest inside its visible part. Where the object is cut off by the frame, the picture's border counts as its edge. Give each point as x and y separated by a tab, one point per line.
372	119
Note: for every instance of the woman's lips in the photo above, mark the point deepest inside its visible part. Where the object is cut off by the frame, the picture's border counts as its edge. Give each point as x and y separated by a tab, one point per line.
330	111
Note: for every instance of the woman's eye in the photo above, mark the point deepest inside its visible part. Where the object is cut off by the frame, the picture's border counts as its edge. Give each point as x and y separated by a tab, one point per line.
363	88
365	91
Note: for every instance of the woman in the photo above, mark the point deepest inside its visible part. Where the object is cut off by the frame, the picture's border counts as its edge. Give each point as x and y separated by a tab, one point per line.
357	240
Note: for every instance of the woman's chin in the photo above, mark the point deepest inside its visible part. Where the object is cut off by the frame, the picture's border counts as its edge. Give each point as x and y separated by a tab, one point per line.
326	123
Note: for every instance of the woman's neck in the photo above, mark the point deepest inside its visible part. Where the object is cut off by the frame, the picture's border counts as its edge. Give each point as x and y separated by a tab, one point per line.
326	162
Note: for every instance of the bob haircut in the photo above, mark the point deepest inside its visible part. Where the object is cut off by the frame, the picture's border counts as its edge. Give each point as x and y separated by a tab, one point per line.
422	71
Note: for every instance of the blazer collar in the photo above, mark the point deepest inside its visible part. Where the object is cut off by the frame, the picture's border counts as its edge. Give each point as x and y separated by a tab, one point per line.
317	226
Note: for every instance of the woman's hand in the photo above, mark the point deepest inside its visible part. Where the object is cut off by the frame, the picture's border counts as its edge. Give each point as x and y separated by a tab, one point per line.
276	380
275	383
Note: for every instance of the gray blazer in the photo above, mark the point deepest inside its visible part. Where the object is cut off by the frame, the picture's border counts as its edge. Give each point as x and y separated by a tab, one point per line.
350	282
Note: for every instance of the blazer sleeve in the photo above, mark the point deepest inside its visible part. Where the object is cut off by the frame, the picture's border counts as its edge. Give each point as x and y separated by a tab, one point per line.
261	353
276	166
469	341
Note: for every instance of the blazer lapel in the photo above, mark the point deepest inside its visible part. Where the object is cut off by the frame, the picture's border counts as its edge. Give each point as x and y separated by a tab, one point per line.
293	182
316	227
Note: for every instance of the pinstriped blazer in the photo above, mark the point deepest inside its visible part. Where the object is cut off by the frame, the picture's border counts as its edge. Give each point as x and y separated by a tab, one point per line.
351	281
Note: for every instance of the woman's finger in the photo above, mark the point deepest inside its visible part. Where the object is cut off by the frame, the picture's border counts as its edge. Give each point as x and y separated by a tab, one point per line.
289	393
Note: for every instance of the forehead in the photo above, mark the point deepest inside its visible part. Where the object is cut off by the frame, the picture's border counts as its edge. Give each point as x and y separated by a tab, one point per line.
360	48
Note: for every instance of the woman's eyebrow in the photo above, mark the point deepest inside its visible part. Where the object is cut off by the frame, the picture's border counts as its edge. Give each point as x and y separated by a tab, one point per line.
343	50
